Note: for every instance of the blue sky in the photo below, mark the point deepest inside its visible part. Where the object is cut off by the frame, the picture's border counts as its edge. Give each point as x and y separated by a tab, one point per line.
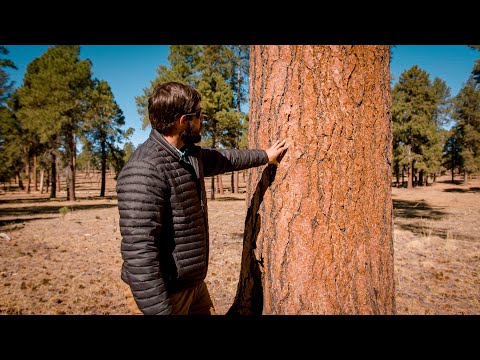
130	68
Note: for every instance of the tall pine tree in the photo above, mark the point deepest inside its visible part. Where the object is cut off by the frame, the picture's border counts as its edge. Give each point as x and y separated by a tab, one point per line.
466	113
103	130
414	107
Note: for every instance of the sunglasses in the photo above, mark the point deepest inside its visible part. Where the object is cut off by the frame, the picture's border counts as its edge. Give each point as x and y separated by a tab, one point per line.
197	113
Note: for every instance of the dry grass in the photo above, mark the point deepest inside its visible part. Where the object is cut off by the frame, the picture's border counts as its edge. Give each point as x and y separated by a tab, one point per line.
68	262
437	249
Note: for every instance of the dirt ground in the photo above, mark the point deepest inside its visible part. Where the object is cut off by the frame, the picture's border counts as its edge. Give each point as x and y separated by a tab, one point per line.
68	262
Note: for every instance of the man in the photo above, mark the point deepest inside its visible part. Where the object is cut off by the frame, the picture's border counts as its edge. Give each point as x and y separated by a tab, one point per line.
163	206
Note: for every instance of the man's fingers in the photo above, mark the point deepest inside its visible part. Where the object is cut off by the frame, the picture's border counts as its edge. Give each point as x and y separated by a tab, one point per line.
279	144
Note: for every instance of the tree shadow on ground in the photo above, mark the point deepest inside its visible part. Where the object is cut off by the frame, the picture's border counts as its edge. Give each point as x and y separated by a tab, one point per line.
53	209
454	182
8	223
416	210
410	216
57	199
23	201
228	199
469	190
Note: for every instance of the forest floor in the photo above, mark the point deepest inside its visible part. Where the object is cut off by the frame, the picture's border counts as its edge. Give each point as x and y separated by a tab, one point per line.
52	262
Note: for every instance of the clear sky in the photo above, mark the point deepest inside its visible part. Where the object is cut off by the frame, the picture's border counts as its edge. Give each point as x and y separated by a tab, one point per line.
130	68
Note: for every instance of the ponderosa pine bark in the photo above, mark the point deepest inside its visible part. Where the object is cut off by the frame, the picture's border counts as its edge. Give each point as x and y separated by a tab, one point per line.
319	228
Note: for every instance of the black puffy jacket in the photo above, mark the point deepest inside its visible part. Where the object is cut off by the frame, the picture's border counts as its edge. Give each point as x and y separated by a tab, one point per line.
163	217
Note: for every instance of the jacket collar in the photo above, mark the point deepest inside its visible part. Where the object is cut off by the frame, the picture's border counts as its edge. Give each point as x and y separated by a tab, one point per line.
158	138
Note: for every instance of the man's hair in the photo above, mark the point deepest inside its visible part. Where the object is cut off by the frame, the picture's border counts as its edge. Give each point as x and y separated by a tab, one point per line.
168	102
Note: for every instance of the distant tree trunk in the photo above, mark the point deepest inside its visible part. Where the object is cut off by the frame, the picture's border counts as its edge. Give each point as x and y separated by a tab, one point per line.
212	195
453	175
410	169
403	175
465	177
53	190
67	181
58	181
35	186
314	241
104	167
41	181
220	184
237	179
420	178
18	179
29	176
47	182
71	165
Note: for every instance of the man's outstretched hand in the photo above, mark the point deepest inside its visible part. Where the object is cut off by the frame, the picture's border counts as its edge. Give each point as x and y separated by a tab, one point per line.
276	149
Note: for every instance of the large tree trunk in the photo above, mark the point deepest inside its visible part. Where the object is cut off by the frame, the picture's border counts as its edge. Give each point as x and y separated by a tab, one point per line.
319	228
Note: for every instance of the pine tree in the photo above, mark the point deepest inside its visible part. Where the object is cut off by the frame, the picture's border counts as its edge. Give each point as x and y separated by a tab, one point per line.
416	111
452	149
103	130
53	103
467	129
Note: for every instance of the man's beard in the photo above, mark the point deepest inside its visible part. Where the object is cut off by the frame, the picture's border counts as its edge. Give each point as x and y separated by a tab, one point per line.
189	137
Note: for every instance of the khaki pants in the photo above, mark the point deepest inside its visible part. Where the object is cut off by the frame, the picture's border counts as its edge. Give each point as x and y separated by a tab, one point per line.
192	301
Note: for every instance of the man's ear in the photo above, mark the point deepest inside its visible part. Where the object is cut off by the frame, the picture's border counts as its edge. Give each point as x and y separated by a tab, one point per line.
182	121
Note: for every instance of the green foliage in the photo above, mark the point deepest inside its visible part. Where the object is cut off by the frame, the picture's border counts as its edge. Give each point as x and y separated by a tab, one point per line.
452	149
128	149
64	210
6	86
53	96
103	127
215	86
10	154
476	67
442	107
